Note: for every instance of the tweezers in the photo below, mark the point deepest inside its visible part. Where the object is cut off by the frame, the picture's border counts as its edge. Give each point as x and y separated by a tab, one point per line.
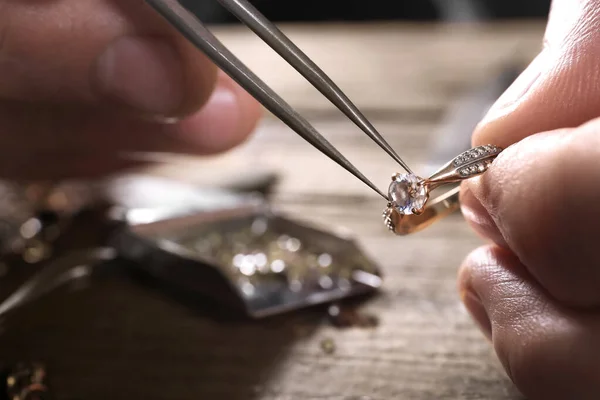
191	27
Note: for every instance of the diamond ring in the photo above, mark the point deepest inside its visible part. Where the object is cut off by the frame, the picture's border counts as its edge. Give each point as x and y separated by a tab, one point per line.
409	209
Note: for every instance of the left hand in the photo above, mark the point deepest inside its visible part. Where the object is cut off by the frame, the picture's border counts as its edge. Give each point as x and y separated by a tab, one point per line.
83	82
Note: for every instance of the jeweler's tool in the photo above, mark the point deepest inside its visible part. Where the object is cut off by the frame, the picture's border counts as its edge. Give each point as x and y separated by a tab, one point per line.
407	195
186	22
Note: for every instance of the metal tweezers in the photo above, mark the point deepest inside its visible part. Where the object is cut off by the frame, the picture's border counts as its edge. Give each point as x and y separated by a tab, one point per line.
186	22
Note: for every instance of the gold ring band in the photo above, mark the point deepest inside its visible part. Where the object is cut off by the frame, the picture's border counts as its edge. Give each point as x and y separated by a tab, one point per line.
409	209
436	209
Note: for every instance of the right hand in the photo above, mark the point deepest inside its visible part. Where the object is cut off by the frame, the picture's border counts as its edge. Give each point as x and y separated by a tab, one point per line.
535	290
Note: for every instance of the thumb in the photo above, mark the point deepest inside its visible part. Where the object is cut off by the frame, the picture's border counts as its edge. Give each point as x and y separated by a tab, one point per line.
100	52
560	88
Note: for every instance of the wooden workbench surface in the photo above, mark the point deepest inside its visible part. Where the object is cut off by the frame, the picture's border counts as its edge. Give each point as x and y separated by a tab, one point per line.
117	340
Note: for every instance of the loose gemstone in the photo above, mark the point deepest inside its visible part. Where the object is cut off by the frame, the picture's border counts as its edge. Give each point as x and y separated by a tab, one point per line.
406	193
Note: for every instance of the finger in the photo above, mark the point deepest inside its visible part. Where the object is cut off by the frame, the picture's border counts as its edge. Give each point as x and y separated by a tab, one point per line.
548	350
101	52
539	198
479	218
65	143
224	122
560	88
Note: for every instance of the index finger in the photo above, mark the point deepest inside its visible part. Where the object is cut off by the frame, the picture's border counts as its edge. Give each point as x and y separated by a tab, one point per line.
540	200
560	87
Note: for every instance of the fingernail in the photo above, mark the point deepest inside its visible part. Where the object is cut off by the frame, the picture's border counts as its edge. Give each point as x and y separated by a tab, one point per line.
143	73
519	88
478	217
216	127
475	307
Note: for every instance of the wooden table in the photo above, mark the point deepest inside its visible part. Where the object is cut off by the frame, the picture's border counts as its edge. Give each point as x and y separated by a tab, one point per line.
117	340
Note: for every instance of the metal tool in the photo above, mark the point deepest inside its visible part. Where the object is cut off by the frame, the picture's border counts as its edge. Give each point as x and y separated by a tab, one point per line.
186	22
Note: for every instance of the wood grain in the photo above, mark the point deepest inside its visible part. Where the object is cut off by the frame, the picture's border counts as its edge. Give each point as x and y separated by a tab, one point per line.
117	340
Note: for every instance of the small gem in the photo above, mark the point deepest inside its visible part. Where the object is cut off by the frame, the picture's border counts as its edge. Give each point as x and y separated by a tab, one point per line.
328	346
407	193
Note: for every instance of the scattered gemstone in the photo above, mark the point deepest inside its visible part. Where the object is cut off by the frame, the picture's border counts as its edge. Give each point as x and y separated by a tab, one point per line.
407	193
282	241
248	289
328	346
325	260
349	316
293	245
248	267
238	260
326	282
261	261
277	266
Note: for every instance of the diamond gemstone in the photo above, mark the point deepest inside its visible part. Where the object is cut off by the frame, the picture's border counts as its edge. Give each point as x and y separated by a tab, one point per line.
475	153
406	193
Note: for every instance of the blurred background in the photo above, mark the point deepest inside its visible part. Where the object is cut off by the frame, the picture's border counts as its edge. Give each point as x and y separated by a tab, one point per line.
361	10
157	332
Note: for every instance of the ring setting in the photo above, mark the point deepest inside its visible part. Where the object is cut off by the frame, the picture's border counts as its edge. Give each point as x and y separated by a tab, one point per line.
409	209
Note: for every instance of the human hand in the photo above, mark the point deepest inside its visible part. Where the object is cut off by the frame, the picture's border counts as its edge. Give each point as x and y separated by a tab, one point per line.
84	81
535	291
